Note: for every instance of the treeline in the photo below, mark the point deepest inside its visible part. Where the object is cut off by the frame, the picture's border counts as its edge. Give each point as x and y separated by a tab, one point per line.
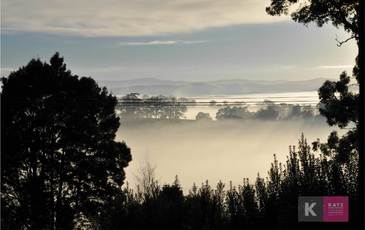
269	202
269	111
132	106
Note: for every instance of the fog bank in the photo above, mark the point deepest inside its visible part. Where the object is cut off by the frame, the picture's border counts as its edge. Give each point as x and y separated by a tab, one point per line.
212	150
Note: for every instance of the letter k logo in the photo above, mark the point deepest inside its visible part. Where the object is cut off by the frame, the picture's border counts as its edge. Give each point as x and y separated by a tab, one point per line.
308	209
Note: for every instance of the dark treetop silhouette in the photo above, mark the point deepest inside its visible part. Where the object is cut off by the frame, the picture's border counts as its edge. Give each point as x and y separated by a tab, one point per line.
62	169
269	203
340	105
133	107
59	160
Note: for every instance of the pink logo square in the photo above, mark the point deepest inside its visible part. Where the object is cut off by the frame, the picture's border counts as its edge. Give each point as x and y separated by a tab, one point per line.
335	209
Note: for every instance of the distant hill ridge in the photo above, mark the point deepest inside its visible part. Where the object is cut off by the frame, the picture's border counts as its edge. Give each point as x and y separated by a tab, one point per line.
154	86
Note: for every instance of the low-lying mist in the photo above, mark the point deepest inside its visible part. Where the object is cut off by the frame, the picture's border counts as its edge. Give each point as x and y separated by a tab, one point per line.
225	150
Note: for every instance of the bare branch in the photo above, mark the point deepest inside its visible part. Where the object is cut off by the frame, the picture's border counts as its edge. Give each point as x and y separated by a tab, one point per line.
340	43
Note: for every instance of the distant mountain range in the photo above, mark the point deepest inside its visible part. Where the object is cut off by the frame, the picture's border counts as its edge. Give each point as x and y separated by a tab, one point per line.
152	86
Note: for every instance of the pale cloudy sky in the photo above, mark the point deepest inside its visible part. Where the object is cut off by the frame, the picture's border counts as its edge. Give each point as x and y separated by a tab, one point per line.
170	39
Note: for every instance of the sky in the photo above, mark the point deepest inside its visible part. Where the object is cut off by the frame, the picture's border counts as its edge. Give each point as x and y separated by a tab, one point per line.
192	40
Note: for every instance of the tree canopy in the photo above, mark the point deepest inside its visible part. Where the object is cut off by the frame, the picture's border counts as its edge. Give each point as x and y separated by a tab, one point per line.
269	202
345	13
59	160
339	102
152	107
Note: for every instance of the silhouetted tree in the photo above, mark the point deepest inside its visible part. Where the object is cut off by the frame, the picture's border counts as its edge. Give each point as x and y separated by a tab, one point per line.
203	116
345	13
340	104
154	107
298	111
339	100
269	203
268	113
131	106
341	107
59	159
233	112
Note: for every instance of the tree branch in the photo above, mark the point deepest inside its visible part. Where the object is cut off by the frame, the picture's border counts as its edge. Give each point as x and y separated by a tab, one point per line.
340	43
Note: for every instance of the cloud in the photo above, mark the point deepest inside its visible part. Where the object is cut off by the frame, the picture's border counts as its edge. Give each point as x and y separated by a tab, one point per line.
159	43
335	66
129	18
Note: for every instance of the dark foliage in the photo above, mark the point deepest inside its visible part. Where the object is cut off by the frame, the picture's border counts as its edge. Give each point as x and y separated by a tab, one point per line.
59	161
154	107
339	99
233	113
268	203
270	112
345	13
133	107
62	169
203	116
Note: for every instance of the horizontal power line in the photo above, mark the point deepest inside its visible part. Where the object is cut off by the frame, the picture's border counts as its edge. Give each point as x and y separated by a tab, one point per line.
218	104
